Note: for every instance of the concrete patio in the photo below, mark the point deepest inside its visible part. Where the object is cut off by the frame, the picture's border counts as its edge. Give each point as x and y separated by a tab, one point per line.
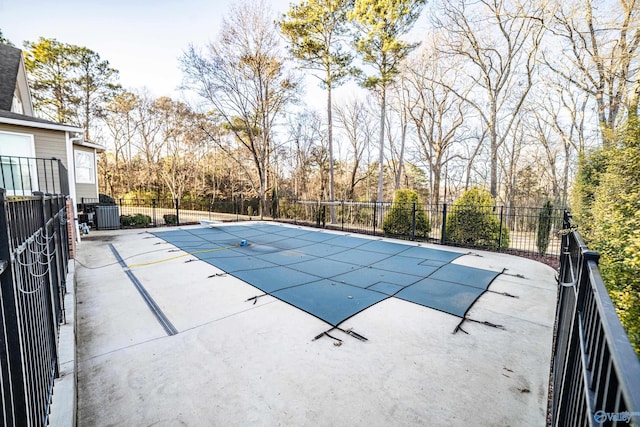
233	362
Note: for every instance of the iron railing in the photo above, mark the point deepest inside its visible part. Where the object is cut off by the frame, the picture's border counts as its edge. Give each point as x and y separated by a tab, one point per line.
24	176
523	231
595	373
167	212
34	255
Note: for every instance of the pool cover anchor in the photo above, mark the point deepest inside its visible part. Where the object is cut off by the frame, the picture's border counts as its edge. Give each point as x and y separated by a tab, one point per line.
346	331
518	275
354	334
482	322
217	275
506	294
255	298
327	334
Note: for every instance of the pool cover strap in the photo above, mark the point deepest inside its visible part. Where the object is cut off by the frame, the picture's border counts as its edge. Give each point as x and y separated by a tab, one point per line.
346	331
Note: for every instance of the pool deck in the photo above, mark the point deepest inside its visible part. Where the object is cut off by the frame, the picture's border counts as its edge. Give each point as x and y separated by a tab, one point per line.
233	362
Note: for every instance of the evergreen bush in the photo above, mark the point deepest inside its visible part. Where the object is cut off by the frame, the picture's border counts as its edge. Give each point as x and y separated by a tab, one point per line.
473	222
103	199
610	220
137	220
170	219
544	228
399	219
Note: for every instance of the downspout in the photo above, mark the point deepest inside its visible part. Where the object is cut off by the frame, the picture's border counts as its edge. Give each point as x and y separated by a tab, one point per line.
71	174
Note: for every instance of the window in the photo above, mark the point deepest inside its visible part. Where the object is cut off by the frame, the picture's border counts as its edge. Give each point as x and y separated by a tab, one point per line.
16	175
85	167
17	165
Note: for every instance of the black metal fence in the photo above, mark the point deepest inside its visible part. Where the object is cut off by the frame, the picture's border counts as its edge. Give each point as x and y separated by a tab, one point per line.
596	374
34	256
523	231
23	176
167	212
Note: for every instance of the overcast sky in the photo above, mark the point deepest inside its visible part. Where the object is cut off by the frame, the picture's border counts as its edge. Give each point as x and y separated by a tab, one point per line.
143	39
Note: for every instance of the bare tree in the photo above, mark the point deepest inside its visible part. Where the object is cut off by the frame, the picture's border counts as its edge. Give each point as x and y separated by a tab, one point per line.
120	122
598	53
500	40
242	75
355	121
398	112
550	144
181	139
557	119
305	134
148	120
438	113
509	159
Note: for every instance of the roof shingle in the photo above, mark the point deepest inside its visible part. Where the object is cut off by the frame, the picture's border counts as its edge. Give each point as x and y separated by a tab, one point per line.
9	64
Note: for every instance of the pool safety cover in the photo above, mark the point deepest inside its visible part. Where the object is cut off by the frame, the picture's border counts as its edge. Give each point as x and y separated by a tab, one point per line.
335	276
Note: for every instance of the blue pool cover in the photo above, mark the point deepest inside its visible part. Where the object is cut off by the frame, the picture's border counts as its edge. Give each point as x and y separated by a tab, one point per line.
335	276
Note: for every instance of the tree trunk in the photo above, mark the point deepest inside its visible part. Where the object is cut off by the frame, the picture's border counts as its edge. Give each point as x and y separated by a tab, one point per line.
381	156
493	139
332	208
403	138
437	172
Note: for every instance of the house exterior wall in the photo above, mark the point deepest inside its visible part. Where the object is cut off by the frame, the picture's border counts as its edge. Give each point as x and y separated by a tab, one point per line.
54	143
83	189
48	143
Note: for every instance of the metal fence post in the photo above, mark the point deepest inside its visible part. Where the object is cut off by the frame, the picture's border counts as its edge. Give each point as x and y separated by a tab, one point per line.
177	203
375	216
54	305
63	178
153	212
11	358
443	233
413	221
295	212
500	231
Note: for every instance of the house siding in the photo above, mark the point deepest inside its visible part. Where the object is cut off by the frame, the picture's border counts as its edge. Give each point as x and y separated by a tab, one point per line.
47	144
53	144
84	190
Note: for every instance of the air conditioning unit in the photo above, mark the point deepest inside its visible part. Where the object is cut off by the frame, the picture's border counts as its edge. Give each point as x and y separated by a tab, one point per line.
107	217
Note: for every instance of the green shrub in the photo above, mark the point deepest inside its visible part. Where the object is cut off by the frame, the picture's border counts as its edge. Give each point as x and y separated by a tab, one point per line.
544	228
170	219
321	216
472	221
611	225
106	200
137	220
399	219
